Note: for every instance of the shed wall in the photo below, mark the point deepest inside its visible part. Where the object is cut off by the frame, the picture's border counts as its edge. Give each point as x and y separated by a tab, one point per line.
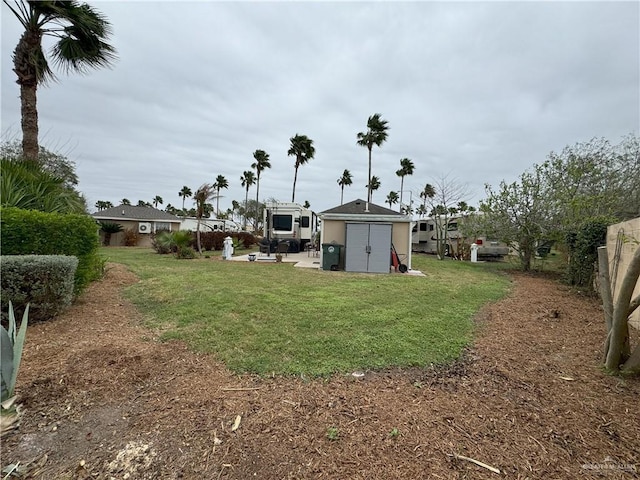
622	241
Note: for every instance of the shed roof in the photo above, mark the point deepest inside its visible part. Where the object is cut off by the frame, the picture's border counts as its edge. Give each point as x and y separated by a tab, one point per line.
357	207
135	213
355	212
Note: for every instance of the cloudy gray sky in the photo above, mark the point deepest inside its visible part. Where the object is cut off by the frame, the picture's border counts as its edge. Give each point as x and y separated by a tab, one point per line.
478	92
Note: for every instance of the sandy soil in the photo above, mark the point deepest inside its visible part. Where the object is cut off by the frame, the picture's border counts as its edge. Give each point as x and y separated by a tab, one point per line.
104	399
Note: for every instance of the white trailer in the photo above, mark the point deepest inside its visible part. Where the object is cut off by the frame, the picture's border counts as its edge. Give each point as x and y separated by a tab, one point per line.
425	238
291	222
209	225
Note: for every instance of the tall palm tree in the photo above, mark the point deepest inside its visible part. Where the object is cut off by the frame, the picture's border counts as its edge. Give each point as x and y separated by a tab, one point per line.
261	163
81	33
220	183
301	148
343	181
247	179
184	193
392	198
406	168
204	193
374	185
157	200
376	134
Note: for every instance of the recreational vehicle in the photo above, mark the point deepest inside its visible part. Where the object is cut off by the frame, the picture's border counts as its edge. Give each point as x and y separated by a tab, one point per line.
425	238
290	222
209	225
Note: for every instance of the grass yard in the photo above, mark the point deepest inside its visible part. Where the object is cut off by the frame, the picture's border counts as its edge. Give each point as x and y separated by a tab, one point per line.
274	318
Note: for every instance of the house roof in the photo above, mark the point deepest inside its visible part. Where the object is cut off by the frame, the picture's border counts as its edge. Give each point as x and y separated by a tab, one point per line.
357	207
135	213
355	210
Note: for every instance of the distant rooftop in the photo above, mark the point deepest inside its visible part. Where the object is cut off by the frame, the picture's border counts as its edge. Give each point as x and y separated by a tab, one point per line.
131	212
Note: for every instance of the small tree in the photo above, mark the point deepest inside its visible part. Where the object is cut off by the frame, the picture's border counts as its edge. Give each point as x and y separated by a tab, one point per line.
518	214
442	199
204	193
109	228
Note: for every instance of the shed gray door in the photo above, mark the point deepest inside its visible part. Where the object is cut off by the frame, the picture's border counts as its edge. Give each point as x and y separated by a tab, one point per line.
368	247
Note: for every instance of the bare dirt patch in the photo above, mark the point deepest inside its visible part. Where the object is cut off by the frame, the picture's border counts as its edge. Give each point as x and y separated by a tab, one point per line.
104	399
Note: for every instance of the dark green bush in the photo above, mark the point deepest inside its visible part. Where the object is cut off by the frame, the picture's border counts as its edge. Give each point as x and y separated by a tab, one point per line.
583	246
46	282
29	232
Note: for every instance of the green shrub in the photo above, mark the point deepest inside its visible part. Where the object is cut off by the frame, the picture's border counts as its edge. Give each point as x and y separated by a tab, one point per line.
162	242
583	246
29	232
44	281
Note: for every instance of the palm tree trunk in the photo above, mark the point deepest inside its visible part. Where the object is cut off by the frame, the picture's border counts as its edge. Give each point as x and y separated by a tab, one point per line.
295	179
218	204
401	187
246	207
27	79
369	182
255	226
29	113
341	195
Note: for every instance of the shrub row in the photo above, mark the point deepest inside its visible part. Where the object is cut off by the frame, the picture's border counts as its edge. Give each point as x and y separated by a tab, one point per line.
209	241
46	282
29	232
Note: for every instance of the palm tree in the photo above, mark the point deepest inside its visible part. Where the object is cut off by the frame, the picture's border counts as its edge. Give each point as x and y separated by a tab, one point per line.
374	185
125	201
109	228
204	193
406	168
343	181
376	134
81	33
261	164
157	200
103	205
219	184
392	198
247	179
301	148
184	193
421	211
427	192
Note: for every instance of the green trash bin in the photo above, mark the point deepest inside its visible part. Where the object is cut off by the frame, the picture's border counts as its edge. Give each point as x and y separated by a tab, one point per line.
331	256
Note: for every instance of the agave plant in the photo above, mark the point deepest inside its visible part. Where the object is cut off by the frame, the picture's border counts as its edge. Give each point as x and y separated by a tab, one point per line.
11	343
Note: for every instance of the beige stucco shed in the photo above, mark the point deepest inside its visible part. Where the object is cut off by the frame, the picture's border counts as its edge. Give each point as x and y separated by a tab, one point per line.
367	233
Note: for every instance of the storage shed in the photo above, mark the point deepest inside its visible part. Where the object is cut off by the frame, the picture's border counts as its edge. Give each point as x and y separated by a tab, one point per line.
367	235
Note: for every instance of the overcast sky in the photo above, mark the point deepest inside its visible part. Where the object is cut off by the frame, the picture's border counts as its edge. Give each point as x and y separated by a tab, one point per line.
478	92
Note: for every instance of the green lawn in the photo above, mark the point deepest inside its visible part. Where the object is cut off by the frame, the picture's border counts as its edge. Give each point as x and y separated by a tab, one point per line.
274	318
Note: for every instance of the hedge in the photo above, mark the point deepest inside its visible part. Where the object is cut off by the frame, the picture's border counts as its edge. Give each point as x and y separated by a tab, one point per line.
30	232
46	282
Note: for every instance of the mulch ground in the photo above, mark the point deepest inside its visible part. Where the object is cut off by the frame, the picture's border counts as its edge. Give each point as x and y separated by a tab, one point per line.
104	399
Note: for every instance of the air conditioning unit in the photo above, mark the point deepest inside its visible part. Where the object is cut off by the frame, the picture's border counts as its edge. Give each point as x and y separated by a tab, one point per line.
144	227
